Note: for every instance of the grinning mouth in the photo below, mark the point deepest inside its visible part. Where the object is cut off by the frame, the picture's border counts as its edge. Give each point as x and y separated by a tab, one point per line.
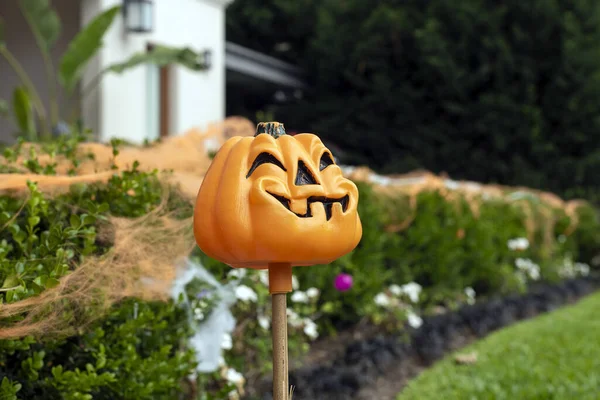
327	203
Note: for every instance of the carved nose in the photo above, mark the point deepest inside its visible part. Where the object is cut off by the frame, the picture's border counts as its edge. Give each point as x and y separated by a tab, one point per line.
304	176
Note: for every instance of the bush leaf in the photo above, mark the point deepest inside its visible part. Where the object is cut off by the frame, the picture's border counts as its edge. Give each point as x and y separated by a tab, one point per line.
83	47
43	21
161	56
23	112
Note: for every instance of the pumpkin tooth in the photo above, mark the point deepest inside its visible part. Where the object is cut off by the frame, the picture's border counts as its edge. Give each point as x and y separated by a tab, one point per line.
299	206
317	210
337	208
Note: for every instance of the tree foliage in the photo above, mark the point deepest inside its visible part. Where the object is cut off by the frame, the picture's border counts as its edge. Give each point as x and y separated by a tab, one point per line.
504	92
279	28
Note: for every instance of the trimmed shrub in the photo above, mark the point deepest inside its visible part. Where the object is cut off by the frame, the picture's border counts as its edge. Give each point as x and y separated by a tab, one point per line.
138	351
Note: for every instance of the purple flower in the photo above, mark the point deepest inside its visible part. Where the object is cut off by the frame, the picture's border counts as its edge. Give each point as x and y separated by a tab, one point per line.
203	293
343	282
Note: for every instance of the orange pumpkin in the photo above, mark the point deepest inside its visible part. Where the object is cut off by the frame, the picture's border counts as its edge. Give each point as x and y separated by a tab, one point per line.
275	198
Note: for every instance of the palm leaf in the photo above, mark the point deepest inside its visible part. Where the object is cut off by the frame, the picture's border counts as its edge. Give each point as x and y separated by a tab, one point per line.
161	56
83	47
43	21
23	111
3	108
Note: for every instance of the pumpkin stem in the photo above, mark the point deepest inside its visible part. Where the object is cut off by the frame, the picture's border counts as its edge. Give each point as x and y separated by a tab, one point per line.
274	129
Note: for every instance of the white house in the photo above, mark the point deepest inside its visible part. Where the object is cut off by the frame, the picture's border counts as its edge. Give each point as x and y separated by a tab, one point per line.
146	102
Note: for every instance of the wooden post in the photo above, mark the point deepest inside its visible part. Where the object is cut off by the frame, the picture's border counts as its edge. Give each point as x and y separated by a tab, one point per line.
280	283
280	347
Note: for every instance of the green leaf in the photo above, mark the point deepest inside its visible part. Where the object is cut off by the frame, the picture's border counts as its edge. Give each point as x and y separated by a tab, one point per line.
10	282
40	280
83	47
87	220
33	221
23	111
4	109
74	220
51	282
161	56
43	21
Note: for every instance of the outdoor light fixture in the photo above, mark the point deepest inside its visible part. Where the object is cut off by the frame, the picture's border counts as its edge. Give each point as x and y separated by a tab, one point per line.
138	15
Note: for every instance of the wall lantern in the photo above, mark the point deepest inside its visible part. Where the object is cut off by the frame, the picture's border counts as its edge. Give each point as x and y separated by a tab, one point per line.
138	15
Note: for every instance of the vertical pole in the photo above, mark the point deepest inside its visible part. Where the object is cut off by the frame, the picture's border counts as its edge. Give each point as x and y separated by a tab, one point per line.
280	283
280	347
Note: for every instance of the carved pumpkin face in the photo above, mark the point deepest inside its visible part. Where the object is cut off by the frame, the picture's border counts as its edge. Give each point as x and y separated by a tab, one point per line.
267	200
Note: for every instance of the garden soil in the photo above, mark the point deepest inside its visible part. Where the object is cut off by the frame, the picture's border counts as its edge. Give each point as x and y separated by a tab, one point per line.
149	247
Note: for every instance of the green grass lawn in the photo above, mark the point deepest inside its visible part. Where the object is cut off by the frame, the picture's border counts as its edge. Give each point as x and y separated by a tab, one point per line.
554	356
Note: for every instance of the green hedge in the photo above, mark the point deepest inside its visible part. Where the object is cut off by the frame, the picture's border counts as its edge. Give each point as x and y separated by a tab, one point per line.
512	87
137	352
140	350
446	248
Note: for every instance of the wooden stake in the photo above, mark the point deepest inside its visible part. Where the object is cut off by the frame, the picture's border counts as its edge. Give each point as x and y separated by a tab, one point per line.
280	283
280	348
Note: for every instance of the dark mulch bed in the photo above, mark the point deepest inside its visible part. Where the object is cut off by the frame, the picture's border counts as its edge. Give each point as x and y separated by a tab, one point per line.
378	366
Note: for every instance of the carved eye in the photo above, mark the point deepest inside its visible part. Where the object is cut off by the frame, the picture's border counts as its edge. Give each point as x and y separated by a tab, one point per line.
265	158
326	161
304	176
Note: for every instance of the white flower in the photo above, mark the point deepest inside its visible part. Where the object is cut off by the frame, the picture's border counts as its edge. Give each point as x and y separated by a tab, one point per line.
245	293
518	244
237	273
470	293
198	314
528	267
525	264
414	320
299	297
412	290
313	293
310	329
534	273
293	318
227	342
562	238
234	395
382	300
582	268
395	289
234	377
263	276
295	284
264	322
522	263
567	269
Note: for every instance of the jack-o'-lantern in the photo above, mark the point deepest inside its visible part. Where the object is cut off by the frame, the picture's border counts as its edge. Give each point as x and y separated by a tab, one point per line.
275	198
